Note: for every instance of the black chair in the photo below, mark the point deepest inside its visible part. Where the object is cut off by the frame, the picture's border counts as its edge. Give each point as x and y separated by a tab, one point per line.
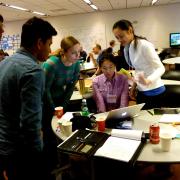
177	66
171	96
172	75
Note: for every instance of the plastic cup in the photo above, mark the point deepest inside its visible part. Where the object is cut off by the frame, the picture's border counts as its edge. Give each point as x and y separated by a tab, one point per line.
59	112
81	86
165	139
101	124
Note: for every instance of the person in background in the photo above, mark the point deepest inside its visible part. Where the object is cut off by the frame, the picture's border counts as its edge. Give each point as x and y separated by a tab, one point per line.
96	51
21	91
62	72
121	62
110	90
140	54
1	26
112	44
83	54
2	55
57	52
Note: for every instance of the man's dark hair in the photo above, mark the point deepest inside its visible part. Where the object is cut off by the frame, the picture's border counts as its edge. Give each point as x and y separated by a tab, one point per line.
98	46
34	29
112	42
1	18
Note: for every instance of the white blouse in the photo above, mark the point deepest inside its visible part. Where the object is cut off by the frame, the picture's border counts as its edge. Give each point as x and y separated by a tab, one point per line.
145	59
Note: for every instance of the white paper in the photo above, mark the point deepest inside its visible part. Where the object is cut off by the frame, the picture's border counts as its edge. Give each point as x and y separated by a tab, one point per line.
118	148
128	134
170	118
66	117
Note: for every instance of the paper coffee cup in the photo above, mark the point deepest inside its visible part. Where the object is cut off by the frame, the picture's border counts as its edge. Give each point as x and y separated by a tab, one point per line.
101	124
165	139
59	112
67	128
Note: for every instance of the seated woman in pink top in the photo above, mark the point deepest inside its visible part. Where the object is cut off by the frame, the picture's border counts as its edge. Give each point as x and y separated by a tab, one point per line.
110	89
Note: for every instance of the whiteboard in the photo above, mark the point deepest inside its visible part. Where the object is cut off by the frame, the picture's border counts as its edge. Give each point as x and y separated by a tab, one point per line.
87	36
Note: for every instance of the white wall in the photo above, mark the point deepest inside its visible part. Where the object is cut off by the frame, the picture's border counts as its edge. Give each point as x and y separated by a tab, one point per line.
155	23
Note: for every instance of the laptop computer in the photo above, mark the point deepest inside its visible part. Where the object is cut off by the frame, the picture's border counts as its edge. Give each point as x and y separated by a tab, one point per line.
117	116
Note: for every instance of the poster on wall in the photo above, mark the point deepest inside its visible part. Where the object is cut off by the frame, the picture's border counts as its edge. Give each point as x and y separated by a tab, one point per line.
87	36
10	42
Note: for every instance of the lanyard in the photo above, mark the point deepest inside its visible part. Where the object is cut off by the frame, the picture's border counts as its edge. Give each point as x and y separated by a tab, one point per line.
129	60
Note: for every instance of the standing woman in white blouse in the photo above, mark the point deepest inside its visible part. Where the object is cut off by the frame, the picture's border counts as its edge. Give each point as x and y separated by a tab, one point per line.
140	54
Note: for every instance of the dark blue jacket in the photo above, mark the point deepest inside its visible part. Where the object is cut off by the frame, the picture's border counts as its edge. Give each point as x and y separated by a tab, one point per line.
21	91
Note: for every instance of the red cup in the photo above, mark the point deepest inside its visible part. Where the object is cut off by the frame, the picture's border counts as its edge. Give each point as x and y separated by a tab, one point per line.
59	112
101	124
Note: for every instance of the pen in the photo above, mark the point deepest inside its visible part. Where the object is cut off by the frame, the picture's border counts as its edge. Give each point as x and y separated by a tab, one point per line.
175	123
87	136
79	147
150	112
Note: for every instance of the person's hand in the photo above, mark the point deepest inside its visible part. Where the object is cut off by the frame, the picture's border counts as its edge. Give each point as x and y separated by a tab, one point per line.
144	81
91	55
93	76
140	78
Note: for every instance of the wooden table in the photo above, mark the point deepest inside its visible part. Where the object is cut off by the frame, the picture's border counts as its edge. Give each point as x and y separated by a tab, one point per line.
175	60
171	62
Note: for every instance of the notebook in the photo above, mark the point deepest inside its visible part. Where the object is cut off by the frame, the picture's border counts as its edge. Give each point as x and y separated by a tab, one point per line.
122	145
170	118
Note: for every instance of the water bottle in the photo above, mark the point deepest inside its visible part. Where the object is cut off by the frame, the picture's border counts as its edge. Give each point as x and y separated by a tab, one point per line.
84	108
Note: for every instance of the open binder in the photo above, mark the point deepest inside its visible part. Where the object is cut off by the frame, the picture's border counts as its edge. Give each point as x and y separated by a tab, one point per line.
83	142
121	145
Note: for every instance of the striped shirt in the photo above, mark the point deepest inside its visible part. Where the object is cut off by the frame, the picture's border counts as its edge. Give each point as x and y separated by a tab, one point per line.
60	81
112	94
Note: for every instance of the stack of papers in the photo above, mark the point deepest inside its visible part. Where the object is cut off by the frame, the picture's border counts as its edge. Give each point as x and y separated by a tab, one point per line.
170	118
122	145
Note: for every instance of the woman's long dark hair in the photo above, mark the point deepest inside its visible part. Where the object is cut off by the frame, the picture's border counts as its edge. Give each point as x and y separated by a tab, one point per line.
125	25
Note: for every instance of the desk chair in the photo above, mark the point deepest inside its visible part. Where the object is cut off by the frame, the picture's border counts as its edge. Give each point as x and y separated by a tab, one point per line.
177	66
172	75
171	96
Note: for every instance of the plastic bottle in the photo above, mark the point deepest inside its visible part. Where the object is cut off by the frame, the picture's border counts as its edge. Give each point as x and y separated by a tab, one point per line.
84	108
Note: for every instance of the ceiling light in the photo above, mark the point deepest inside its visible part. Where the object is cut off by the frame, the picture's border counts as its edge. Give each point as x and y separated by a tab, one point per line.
93	6
153	2
17	7
39	13
22	9
87	1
